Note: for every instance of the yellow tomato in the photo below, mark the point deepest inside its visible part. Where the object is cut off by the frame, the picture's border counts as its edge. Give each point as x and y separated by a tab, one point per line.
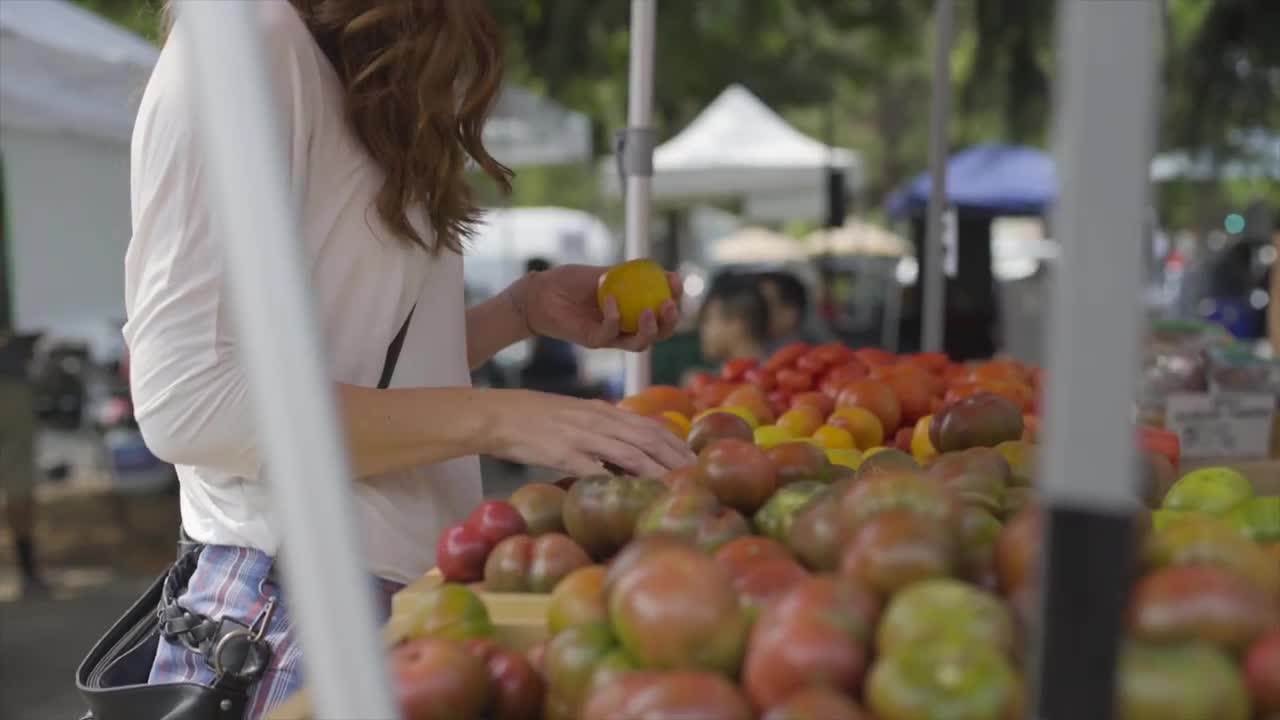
921	446
637	286
845	457
862	424
768	436
834	438
679	424
800	421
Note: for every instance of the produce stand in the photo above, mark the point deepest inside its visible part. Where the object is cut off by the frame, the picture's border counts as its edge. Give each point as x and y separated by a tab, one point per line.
1104	129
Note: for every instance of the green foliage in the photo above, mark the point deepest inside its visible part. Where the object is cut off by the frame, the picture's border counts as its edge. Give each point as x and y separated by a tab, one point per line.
865	64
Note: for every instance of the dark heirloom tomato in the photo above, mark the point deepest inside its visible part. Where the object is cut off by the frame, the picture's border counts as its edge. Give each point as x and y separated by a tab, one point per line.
553	556
674	609
814	634
600	512
577	600
693	512
1201	603
540	505
906	490
571	659
815	534
438	680
897	548
738	556
1017	550
766	580
739	473
981	420
672	695
517	687
497	520
777	516
816	703
1262	673
717	426
798	461
507	569
1205	540
945	609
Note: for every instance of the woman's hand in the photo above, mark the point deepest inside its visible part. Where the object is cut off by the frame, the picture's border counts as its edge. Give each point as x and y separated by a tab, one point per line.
561	303
577	436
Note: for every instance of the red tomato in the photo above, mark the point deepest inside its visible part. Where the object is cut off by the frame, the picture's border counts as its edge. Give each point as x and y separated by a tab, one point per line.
841	375
813	363
786	356
461	553
698	381
712	395
831	353
736	369
1157	440
496	520
795	381
761	378
875	356
780	401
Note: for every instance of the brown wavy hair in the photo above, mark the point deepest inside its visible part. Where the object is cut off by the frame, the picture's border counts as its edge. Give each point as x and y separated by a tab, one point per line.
420	77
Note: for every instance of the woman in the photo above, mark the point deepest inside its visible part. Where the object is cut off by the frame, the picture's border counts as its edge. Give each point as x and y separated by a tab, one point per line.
383	102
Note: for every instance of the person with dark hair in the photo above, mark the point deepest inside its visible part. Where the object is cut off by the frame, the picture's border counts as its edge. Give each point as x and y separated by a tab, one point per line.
788	301
552	365
17	455
735	319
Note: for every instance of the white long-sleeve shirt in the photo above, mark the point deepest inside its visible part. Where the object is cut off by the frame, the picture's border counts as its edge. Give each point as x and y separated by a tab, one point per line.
190	392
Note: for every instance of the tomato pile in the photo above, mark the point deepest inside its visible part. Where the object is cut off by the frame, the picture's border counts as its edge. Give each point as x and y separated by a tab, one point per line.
802	568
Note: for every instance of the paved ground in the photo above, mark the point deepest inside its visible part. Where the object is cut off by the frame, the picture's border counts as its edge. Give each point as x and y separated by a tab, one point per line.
100	553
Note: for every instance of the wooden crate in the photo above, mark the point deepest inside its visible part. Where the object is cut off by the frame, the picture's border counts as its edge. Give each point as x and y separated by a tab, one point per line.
519	621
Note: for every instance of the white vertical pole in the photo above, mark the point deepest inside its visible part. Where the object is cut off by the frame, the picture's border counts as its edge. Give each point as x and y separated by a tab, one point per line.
638	159
931	283
1105	109
330	595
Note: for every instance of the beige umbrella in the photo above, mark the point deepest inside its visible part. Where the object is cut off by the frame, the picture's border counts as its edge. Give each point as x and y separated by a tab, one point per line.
856	238
757	245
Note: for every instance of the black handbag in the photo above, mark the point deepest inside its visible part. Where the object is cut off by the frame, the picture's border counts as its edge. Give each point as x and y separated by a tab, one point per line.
113	676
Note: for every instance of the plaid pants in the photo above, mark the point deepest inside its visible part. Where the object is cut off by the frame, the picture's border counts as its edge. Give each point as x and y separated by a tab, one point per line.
234	581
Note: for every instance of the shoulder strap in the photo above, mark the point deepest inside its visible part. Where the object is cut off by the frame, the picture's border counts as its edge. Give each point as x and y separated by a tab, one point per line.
393	352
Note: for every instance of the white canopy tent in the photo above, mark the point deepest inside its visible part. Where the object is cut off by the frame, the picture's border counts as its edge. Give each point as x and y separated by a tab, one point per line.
739	148
69	83
510	236
751	245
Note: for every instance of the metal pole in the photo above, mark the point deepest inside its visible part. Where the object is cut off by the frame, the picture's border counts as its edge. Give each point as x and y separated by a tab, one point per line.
637	159
1103	146
330	596
932	289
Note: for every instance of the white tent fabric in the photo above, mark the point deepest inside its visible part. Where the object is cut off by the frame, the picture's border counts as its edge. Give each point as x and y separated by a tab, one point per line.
857	238
739	148
510	236
752	245
527	129
64	69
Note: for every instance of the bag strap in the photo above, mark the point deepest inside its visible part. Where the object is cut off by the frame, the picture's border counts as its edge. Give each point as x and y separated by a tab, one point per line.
393	352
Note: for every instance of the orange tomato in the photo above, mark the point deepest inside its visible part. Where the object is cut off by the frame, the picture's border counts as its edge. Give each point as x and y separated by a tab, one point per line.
830	437
667	397
786	356
934	361
712	395
877	397
800	421
637	286
862	424
640	404
751	399
875	356
821	402
913	397
837	377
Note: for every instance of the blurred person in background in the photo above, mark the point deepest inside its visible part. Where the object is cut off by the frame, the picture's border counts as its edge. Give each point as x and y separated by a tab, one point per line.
553	364
17	455
735	319
381	106
788	302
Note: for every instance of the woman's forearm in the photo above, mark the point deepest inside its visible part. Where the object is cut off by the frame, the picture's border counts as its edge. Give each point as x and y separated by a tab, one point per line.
390	430
495	324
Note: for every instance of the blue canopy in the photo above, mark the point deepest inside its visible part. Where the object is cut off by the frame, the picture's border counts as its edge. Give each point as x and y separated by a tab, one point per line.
989	178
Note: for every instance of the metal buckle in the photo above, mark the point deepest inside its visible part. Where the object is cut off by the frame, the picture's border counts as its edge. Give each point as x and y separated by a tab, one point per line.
253	635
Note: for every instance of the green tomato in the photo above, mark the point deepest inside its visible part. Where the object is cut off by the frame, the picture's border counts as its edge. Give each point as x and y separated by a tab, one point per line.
775	518
1179	682
1214	490
1257	519
942	680
945	609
